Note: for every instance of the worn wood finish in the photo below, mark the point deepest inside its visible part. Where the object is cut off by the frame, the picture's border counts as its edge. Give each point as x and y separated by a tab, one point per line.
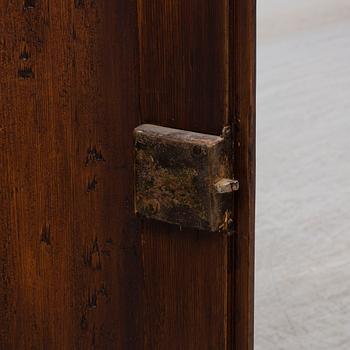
77	269
242	113
184	84
70	268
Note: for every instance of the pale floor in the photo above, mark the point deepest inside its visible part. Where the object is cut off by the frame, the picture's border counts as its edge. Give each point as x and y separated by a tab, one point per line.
303	175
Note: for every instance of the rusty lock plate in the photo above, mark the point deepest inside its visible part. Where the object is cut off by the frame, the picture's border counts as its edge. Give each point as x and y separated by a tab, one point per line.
183	177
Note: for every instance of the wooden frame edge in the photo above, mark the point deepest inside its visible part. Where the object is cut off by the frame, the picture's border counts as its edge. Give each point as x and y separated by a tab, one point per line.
243	119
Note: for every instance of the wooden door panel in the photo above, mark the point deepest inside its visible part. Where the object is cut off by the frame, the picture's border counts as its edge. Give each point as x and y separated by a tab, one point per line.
184	63
78	270
184	84
70	268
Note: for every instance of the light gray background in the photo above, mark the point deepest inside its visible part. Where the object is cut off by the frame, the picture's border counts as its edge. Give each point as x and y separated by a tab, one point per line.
303	175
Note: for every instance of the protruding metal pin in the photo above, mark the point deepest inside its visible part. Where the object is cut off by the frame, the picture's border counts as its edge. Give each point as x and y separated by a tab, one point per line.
226	186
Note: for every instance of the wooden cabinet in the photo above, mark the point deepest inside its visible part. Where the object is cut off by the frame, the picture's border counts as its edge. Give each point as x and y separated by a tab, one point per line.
78	270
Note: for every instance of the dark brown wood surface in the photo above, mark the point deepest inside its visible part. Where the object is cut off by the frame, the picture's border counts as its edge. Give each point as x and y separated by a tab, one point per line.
77	269
184	84
242	112
70	268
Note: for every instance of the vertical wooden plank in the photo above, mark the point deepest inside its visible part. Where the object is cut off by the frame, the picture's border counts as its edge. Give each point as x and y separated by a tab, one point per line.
69	248
242	114
74	271
184	84
184	63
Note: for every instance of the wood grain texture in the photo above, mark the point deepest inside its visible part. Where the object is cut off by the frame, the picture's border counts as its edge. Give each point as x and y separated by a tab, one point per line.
70	266
77	269
242	114
184	84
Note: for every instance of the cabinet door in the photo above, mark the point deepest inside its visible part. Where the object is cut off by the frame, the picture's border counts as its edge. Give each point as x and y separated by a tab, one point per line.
78	269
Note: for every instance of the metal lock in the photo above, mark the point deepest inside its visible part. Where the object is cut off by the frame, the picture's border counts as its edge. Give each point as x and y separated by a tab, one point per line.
183	177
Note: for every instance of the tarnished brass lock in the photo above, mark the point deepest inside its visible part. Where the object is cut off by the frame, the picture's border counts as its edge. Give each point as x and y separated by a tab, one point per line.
183	177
